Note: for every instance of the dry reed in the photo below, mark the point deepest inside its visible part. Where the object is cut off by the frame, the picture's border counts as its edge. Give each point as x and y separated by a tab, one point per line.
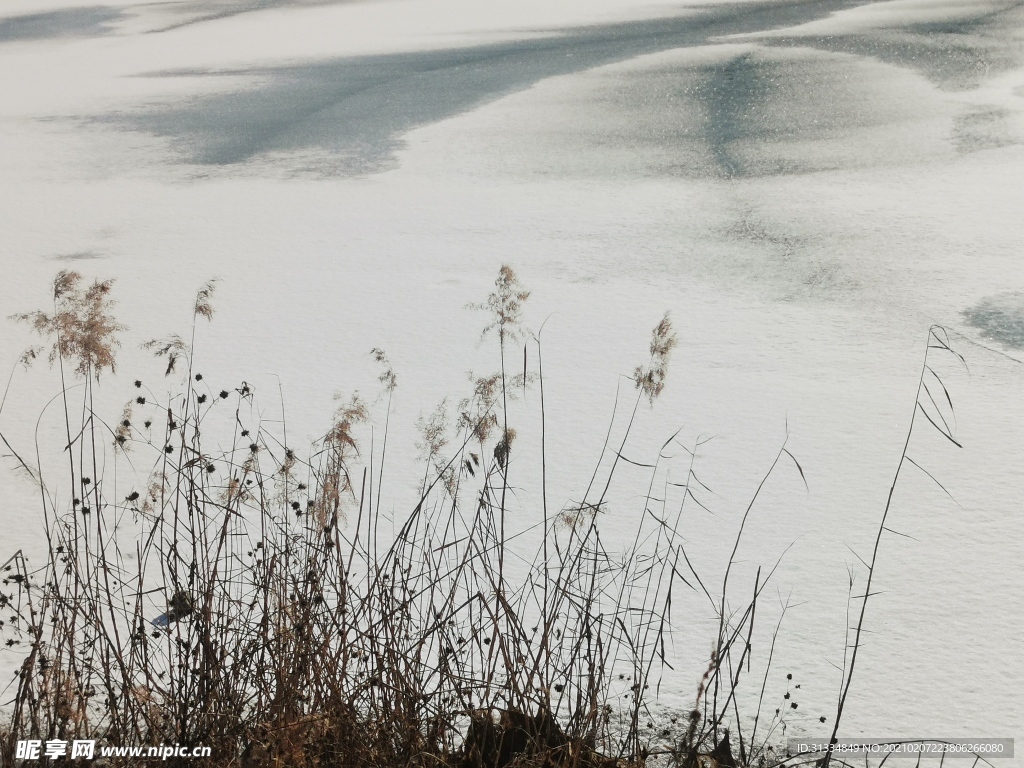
291	632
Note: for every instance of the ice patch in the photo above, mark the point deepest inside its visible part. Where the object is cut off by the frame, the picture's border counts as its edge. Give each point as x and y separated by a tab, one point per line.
983	129
956	48
188	13
93	21
1000	317
720	112
358	108
78	256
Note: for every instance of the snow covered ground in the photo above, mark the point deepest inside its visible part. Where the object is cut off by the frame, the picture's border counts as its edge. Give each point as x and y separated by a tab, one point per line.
806	186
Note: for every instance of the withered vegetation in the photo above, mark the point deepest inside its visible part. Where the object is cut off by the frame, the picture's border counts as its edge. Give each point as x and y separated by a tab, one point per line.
254	598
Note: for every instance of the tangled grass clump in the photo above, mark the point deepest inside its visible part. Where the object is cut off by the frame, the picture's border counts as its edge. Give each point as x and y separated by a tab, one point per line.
243	597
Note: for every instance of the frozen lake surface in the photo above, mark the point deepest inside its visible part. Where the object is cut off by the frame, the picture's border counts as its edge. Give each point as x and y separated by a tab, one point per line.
805	186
